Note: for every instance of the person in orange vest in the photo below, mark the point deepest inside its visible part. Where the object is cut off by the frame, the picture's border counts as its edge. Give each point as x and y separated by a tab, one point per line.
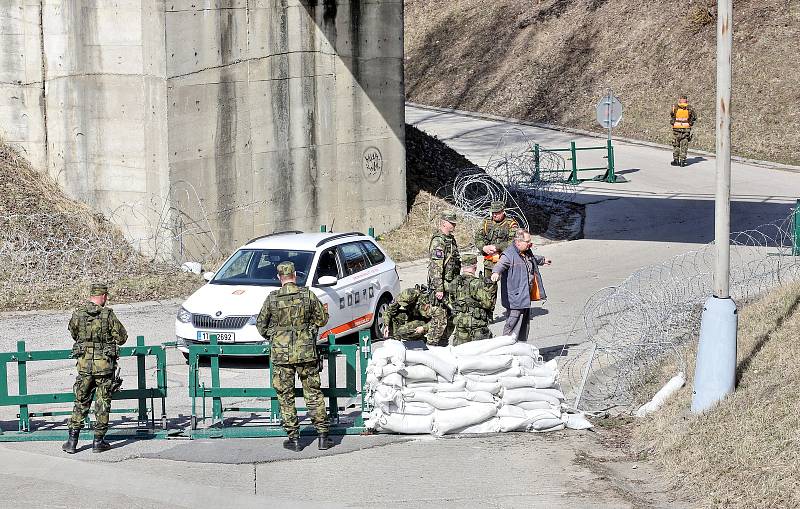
682	118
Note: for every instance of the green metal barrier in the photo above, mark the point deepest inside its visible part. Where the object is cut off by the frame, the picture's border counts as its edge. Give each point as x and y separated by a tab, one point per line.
796	230
199	393
145	428
573	150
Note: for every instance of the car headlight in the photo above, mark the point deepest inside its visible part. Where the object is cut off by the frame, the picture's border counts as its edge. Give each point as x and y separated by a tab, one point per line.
184	316
252	320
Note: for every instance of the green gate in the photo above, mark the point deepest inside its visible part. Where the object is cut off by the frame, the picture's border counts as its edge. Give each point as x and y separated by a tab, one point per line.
608	176
356	358
145	426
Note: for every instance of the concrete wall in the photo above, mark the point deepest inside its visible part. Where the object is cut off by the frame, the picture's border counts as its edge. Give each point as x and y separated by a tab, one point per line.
244	116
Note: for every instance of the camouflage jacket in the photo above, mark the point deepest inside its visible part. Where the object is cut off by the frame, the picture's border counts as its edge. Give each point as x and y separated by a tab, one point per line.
290	319
410	305
97	333
445	262
498	234
471	295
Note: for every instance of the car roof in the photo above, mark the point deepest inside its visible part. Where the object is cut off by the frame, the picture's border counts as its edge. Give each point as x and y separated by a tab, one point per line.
301	241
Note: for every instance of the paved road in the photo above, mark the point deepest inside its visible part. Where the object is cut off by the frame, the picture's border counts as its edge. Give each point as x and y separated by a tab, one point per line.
662	211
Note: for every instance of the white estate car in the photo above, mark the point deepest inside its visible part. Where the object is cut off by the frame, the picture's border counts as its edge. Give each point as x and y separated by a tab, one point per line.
352	276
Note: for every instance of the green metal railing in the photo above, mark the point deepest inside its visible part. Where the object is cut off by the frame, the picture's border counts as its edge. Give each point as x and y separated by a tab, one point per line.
356	358
25	400
796	229
573	150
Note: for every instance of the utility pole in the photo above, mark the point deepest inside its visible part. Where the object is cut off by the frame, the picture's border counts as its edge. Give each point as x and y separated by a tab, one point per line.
715	373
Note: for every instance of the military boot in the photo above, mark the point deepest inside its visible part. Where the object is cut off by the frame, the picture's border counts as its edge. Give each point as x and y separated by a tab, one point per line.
324	442
100	445
674	163
683	162
71	445
292	444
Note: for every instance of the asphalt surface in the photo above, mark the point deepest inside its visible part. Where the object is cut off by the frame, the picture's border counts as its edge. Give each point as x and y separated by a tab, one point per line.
660	212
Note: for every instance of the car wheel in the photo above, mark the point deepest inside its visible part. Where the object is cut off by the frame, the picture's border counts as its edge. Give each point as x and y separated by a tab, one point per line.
377	322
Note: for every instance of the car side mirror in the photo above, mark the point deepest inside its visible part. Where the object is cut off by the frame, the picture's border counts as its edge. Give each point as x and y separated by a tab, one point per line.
325	281
208	276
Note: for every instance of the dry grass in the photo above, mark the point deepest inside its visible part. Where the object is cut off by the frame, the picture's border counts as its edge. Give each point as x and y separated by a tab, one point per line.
551	60
746	452
411	240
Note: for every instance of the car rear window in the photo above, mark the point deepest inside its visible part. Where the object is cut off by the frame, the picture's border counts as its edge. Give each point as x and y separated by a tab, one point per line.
354	258
374	254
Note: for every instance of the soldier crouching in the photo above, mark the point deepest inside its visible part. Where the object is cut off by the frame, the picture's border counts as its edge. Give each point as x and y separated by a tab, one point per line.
472	302
97	334
290	319
411	316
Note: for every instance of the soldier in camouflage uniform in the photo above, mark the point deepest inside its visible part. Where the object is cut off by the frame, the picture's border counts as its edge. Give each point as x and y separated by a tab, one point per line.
97	334
444	262
472	302
493	237
682	119
411	316
290	319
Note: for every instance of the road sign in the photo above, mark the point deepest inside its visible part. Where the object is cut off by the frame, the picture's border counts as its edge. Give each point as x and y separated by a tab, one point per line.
609	111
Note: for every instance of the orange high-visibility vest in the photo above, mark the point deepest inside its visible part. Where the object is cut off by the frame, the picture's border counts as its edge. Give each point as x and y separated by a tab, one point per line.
681	116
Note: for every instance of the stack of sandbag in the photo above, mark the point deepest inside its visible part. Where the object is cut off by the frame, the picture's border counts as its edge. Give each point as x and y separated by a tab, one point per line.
479	387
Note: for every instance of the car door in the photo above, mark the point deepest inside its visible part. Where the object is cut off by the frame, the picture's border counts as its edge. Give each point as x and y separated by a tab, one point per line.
360	289
339	315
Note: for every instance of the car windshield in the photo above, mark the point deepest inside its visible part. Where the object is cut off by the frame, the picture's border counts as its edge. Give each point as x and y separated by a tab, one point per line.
260	267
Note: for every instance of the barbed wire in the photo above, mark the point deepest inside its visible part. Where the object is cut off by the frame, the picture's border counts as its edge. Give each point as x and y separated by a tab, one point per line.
631	328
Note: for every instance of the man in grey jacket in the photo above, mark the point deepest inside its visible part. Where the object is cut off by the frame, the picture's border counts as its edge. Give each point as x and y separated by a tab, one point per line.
518	267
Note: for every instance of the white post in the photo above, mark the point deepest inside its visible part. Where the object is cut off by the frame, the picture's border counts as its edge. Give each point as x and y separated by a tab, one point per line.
715	373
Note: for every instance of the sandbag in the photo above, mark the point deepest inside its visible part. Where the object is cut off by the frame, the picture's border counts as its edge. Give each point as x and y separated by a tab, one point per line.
478	397
476	386
482	346
536	382
450	420
418	372
493	377
395	380
391	350
544	419
438	402
536	405
549	368
489	426
517	349
406	423
443	353
454	386
444	368
524	362
409	408
510	423
514	396
577	421
484	364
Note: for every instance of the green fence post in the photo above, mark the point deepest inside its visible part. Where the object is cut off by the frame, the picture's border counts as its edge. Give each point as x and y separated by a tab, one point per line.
796	242
3	384
573	176
141	381
323	228
274	405
536	163
333	401
216	412
610	177
364	354
371	232
22	371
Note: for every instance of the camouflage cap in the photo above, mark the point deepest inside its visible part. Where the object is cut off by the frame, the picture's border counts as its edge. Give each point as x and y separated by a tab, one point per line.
98	289
407	297
497	206
469	259
285	269
449	216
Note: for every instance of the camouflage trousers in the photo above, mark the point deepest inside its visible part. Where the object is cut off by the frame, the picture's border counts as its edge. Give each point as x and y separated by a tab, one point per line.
87	387
408	332
283	381
469	329
680	143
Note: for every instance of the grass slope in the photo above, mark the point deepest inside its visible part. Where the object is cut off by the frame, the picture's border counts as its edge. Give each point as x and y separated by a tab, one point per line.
551	61
744	453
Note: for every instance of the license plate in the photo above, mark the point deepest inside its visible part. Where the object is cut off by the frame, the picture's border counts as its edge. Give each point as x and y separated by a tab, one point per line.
222	337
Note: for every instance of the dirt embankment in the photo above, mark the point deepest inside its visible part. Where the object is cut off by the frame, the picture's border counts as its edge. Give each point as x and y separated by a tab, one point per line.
551	60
